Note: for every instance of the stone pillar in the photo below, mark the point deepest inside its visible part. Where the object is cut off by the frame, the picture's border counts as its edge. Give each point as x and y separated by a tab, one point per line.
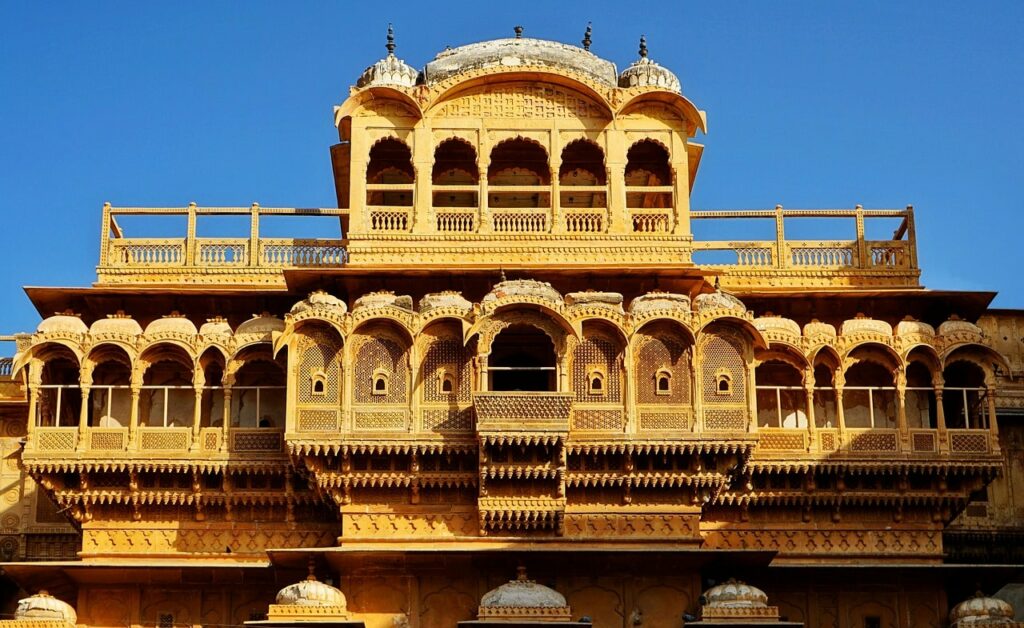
901	410
197	414
133	421
993	426
83	418
226	423
809	395
190	236
254	235
940	419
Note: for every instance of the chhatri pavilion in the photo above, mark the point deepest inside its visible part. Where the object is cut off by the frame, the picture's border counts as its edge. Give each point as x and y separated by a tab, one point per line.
513	388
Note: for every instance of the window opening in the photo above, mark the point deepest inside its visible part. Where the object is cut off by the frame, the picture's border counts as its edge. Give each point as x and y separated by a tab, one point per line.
522	358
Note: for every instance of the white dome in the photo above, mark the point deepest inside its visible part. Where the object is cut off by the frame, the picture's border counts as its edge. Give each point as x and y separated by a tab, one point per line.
909	327
981	610
320	300
818	328
390	70
735	594
719	300
44	607
217	326
448	298
311	592
172	323
67	323
264	323
119	323
646	73
659	301
955	326
521	596
383	298
523	287
862	324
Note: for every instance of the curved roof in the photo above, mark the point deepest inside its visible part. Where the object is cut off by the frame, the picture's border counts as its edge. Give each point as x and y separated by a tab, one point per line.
513	52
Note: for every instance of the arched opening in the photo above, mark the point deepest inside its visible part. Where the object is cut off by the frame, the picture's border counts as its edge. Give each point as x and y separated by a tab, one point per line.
963	396
522	358
455	177
781	401
920	397
518	177
648	176
663	370
869	396
211	404
381	368
596	365
167	398
663	381
582	176
826	412
110	397
60	399
258	394
389	178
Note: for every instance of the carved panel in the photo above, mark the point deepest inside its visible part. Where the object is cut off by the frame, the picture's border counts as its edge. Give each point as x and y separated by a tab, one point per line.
662	350
317	420
448	420
318	355
593	419
375	420
450	356
520	100
381	356
670	421
597	355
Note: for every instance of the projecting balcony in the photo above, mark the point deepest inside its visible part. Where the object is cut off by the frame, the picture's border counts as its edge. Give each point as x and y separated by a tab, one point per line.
523	412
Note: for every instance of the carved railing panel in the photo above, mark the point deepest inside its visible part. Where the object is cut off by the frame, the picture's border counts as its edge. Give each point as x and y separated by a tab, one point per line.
518	412
164	438
256	440
521	220
147	253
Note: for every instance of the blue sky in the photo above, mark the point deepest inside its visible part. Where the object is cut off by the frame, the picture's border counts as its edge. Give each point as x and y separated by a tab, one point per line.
810	104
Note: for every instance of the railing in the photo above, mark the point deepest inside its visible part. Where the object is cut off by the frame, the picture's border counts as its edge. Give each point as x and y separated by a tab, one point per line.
650	220
523	411
393	219
147	252
585	221
456	219
821	253
226	252
6	367
520	220
282	253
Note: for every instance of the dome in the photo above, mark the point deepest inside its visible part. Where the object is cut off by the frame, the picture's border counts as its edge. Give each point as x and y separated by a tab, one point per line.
383	298
864	325
66	322
216	326
595	297
719	300
173	323
390	70
735	594
523	288
320	300
119	323
981	610
777	324
311	592
448	298
955	325
646	73
519	51
44	607
911	327
264	323
659	301
818	328
523	598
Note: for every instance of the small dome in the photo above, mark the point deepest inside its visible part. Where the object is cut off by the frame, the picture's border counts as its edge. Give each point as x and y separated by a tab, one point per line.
448	298
119	323
523	597
523	287
595	297
311	592
719	300
264	323
390	70
911	327
216	326
646	73
659	301
818	328
172	323
981	610
383	298
320	300
44	607
864	325
735	594
66	322
777	324
955	325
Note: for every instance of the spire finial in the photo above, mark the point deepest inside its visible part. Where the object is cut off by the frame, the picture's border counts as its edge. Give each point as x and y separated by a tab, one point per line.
391	39
643	47
311	566
519	32
586	37
521	574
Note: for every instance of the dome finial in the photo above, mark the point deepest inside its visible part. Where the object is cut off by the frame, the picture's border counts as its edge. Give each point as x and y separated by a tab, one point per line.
391	39
586	37
519	32
643	47
521	574
311	566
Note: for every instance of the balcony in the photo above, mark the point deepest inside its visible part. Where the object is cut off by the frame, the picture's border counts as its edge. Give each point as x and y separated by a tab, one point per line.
523	412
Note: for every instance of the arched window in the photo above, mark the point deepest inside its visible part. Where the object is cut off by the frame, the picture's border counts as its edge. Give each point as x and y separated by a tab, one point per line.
110	396
381	382
522	358
522	164
663	385
780	395
60	400
258	394
168	396
390	165
447	383
319	384
723	383
963	397
596	383
920	397
869	396
648	166
582	167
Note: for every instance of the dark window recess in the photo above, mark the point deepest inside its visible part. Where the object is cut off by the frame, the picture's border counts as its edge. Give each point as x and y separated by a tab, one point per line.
166	620
872	622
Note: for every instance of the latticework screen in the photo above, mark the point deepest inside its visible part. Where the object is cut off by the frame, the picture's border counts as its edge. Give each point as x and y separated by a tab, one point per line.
381	355
596	353
447	355
319	355
661	349
723	355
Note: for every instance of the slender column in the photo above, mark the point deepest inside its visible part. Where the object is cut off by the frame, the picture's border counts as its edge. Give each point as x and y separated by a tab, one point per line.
414	389
809	396
901	409
940	419
226	423
484	376
105	236
557	220
629	391
197	409
33	405
993	426
912	236
862	249
83	418
254	235
485	225
133	421
190	236
780	238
